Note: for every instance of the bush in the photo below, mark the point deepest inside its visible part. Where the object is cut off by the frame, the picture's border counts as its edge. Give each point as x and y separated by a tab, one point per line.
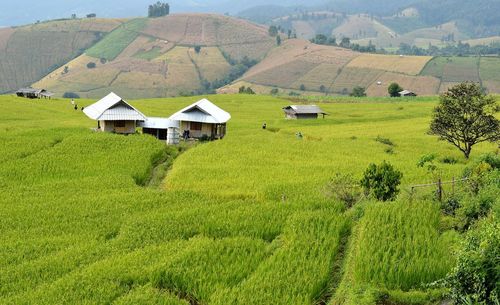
385	141
474	207
245	90
345	189
302	87
274	91
197	49
358	92
381	181
449	160
91	65
475	278
70	95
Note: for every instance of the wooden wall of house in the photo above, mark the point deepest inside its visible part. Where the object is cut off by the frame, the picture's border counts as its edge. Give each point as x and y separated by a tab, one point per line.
111	126
306	116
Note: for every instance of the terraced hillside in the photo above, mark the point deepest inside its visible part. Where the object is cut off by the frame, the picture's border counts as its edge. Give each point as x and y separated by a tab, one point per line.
29	53
302	67
157	57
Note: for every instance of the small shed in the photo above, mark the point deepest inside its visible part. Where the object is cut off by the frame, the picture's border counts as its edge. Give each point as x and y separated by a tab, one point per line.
161	128
303	112
202	119
113	114
407	93
33	93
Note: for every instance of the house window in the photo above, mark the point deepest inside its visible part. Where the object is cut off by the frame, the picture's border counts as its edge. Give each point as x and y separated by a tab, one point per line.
195	126
120	124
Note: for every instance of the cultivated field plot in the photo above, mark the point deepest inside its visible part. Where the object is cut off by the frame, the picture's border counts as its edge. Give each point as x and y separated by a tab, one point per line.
411	65
236	37
115	42
353	77
421	85
283	76
53	44
5	34
244	220
210	63
182	74
489	69
453	69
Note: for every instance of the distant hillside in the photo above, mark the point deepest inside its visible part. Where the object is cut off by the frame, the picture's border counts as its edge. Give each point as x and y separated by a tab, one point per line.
473	19
299	67
383	32
174	55
28	53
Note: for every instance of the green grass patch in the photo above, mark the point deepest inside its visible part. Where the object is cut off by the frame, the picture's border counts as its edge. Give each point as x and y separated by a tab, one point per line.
115	42
149	54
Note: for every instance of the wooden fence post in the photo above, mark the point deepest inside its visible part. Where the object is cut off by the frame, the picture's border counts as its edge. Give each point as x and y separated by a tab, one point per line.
440	190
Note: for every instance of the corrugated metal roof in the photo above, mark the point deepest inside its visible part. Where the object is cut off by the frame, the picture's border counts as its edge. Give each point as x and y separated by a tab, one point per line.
304	109
113	108
202	111
159	123
405	92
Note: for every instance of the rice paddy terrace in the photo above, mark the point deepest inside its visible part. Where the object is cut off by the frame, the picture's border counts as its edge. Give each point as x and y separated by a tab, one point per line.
245	220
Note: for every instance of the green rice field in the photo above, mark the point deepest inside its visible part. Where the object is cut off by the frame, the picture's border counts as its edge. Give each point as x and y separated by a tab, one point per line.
93	218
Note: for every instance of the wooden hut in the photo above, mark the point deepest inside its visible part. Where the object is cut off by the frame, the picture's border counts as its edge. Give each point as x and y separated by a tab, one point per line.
303	112
202	119
113	114
33	93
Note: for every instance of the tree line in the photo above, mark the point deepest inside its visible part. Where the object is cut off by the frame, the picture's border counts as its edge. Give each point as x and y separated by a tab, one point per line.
158	9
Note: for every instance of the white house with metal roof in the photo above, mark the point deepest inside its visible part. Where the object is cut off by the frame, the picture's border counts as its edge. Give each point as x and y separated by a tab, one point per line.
202	119
113	114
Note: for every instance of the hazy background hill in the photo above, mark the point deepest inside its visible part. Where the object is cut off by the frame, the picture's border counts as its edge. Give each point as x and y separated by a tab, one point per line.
29	11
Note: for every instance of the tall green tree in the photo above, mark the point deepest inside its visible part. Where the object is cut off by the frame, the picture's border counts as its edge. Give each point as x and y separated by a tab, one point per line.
278	40
465	117
273	30
394	89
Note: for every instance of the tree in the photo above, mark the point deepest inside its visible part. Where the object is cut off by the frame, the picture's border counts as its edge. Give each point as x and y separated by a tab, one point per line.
274	91
302	87
394	89
197	49
345	42
66	70
381	181
273	31
322	89
465	117
358	91
91	65
278	40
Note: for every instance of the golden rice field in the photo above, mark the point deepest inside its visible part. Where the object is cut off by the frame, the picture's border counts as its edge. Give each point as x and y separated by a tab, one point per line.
244	220
411	65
